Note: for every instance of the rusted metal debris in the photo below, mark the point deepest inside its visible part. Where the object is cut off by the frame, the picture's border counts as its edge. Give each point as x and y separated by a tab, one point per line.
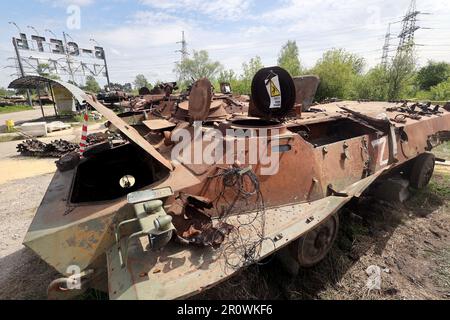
111	97
134	204
306	87
54	149
57	148
68	161
12	100
195	226
98	137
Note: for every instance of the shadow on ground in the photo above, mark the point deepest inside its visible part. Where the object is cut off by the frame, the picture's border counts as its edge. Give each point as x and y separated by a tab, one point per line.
24	276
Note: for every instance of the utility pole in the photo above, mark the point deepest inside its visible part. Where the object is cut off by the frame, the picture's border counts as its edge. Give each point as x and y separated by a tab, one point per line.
387	39
66	49
409	27
22	72
106	70
104	60
403	62
184	52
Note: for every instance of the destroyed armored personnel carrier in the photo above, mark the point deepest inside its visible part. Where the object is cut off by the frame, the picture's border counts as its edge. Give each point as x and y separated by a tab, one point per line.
139	223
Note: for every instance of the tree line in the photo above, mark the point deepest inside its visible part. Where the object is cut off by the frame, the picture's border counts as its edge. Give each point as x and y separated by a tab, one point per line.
343	75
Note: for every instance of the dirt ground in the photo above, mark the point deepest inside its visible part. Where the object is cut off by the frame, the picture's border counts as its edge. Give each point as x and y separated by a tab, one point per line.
409	242
22	274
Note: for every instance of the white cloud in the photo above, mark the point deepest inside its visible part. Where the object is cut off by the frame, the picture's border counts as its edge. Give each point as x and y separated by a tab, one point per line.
146	40
217	9
153	17
65	3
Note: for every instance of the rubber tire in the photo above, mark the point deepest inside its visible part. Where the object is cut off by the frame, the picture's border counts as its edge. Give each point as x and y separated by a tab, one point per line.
298	245
261	98
422	171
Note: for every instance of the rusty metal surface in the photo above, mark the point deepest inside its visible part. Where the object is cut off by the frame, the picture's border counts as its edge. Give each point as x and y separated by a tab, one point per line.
200	100
342	167
177	273
63	233
159	124
305	89
129	131
327	156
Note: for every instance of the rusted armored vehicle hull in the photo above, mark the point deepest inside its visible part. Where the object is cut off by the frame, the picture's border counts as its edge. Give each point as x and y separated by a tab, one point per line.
222	217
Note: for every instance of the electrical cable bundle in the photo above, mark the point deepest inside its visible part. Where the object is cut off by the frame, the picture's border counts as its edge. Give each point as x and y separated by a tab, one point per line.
241	248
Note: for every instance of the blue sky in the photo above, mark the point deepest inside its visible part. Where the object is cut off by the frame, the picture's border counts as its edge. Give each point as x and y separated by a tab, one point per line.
140	35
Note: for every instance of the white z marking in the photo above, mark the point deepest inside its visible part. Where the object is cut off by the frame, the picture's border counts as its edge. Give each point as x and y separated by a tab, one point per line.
380	151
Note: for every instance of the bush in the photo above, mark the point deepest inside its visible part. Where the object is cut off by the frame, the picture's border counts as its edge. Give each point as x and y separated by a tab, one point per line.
441	91
433	74
371	86
338	71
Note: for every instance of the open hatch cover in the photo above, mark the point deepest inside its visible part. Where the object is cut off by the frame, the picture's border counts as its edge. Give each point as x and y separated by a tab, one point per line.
129	131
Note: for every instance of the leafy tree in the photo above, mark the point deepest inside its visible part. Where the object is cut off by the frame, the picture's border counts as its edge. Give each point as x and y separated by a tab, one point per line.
338	71
249	69
5	92
127	87
141	81
91	85
372	86
226	76
197	67
401	75
289	58
441	92
433	74
43	69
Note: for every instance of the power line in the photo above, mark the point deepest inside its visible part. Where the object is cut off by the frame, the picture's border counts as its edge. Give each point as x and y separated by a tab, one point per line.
184	52
384	57
409	27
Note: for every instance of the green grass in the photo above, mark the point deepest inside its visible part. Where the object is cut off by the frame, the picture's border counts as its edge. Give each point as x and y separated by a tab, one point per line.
435	195
79	121
9	109
74	119
441	186
8	138
443	151
357	229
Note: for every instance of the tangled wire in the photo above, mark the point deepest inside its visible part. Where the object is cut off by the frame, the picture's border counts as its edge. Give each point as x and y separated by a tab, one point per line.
243	186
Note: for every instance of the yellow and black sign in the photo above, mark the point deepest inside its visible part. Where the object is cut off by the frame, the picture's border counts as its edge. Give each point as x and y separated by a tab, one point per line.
274	91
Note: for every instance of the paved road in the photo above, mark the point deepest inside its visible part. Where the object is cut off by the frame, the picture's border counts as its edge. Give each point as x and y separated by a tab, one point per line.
24	116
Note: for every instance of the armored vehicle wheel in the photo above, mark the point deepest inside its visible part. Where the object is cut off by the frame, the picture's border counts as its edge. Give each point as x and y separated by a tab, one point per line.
422	170
311	248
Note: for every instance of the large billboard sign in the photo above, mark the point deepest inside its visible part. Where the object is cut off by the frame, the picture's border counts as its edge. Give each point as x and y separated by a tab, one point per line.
57	46
66	59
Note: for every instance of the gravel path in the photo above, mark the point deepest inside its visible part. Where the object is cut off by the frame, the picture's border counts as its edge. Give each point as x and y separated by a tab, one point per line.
23	275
